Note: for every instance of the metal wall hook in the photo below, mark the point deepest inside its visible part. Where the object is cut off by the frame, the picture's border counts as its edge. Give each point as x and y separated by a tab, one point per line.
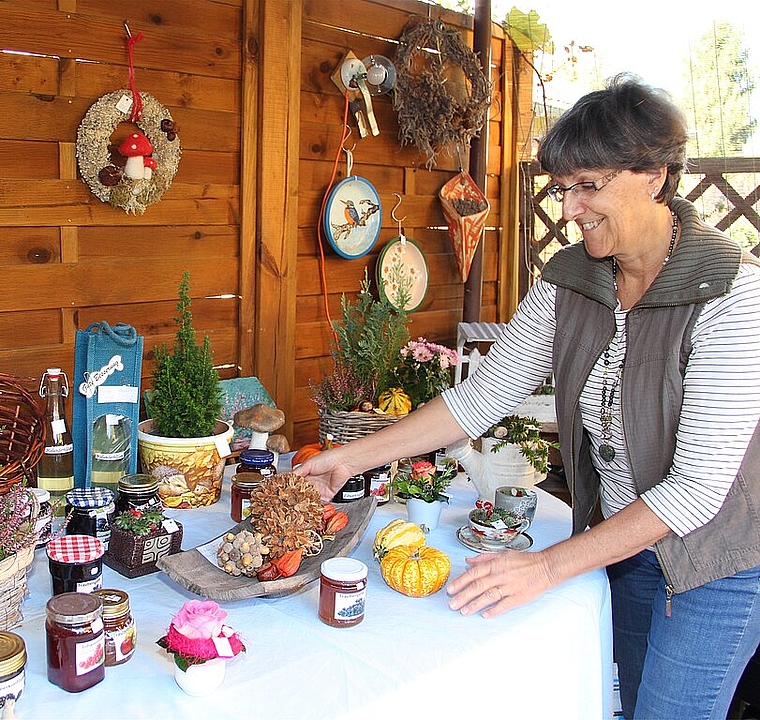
399	221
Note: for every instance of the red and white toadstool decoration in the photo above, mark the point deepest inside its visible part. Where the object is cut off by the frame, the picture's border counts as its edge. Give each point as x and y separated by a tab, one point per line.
136	147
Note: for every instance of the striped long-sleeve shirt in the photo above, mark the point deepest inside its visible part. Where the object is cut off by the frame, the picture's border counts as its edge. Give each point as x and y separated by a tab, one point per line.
721	403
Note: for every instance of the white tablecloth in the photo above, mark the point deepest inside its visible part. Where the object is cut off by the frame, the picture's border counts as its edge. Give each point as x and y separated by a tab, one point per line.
409	656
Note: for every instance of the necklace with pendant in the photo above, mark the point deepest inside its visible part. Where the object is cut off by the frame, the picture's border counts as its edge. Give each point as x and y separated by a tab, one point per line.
609	386
611	383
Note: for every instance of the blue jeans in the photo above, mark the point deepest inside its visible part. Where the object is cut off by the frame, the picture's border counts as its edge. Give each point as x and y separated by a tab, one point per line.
686	665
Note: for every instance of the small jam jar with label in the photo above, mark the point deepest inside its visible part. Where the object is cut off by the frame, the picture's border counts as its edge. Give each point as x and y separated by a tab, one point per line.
12	671
254	467
119	626
76	563
75	641
137	492
379	481
91	512
342	591
355	488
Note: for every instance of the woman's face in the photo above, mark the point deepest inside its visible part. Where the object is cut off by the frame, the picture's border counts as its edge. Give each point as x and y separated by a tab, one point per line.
615	217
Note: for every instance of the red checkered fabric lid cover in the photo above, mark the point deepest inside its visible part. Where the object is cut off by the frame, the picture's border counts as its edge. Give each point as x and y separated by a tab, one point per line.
75	549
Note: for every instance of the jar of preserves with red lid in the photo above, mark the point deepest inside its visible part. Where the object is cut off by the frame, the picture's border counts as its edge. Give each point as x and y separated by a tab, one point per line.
76	563
12	671
118	625
342	591
75	641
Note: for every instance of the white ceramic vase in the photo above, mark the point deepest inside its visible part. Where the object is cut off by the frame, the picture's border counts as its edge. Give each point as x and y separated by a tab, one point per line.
424	514
201	679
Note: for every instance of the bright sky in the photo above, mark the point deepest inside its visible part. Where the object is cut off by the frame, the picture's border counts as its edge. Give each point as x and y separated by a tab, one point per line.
650	37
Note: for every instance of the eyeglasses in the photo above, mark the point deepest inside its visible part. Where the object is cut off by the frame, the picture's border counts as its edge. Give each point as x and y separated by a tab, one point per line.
583	190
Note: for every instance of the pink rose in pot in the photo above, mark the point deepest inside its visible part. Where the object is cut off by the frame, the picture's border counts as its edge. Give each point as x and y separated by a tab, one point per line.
199	619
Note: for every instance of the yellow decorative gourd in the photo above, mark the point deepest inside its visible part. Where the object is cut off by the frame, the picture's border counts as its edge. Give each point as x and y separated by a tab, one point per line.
397	532
395	401
416	572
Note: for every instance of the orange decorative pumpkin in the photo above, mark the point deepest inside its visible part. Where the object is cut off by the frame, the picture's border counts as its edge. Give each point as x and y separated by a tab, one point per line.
415	571
307	451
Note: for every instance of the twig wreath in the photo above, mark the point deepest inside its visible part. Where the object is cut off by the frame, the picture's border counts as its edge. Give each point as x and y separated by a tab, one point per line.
435	105
133	191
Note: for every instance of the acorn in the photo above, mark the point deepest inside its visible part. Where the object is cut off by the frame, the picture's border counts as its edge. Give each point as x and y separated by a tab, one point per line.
110	175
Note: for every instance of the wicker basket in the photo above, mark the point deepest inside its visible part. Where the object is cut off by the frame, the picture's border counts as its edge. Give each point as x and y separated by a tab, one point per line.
13	587
22	439
345	425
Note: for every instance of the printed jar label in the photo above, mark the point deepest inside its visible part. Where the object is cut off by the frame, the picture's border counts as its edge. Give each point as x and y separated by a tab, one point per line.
120	644
355	495
349	606
11	688
90	654
245	505
88	586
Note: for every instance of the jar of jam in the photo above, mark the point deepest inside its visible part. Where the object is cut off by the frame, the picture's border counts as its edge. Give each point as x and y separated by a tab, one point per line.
257	461
137	492
118	625
76	563
355	488
379	483
342	591
12	671
44	525
75	641
90	512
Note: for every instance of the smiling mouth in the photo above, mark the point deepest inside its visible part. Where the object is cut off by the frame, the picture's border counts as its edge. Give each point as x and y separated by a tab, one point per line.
590	225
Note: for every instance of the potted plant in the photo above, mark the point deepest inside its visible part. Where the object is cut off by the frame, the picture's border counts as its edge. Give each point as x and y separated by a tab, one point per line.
18	538
424	370
201	643
360	394
513	452
139	538
422	486
184	442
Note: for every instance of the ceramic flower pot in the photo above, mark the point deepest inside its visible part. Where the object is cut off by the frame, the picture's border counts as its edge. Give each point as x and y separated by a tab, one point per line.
189	470
424	514
201	679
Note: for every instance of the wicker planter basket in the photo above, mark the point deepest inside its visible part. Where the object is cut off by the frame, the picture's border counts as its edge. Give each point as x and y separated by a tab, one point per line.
345	425
13	587
136	555
22	439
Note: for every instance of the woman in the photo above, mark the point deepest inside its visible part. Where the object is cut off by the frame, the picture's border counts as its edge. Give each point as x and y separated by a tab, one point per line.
651	327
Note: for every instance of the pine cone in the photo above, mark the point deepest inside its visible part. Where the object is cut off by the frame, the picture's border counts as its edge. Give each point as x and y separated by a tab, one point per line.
286	509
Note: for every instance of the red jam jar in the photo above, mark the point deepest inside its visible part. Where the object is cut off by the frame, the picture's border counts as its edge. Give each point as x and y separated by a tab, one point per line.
75	641
254	467
342	591
76	563
119	626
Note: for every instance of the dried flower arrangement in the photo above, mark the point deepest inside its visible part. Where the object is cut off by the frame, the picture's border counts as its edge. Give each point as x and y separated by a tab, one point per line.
442	95
18	510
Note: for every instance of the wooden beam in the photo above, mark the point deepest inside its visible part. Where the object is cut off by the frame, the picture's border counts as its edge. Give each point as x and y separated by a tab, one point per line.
278	107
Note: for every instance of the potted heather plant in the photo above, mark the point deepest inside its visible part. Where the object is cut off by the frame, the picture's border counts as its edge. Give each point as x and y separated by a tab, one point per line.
180	443
18	538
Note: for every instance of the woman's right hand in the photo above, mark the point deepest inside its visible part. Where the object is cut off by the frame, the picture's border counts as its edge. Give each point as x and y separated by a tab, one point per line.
326	471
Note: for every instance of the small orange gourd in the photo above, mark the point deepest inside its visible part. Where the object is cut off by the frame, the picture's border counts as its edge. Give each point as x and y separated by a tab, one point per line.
311	449
415	571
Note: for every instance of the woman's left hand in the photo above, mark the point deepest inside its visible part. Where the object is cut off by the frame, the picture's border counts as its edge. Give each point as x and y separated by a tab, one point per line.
499	582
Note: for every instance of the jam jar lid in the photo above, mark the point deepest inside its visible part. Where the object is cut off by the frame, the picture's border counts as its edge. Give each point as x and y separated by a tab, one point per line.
12	653
343	569
88	498
76	549
138	483
256	458
43	495
115	602
72	608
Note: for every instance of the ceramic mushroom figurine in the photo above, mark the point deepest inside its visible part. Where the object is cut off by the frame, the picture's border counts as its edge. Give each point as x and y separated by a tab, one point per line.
135	147
262	419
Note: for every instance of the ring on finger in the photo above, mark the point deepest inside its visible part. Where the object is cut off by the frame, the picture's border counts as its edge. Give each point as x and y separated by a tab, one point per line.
498	590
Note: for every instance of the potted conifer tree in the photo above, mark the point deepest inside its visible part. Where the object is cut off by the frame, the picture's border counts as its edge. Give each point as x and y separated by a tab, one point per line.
184	442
